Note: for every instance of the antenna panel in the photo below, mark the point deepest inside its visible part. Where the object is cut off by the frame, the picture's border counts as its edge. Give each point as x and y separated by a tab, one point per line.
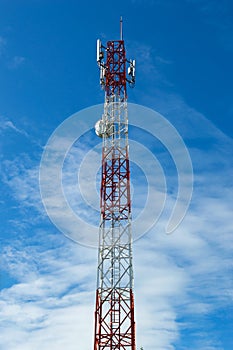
99	53
133	68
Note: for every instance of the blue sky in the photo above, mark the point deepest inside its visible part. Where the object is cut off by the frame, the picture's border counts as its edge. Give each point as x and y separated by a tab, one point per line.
183	281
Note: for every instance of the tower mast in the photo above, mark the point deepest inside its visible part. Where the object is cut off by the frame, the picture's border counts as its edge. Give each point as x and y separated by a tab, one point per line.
114	313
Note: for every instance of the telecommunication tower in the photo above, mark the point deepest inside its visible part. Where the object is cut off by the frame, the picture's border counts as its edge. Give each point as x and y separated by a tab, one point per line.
114	313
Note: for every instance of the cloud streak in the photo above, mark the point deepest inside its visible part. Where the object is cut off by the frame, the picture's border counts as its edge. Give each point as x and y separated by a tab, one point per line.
54	292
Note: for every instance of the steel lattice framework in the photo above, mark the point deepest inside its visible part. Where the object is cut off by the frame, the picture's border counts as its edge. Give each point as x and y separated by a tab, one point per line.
114	313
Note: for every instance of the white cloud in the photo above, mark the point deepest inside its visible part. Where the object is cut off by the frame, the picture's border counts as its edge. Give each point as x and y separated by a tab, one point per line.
11	62
218	15
148	63
9	125
16	62
2	45
53	301
21	177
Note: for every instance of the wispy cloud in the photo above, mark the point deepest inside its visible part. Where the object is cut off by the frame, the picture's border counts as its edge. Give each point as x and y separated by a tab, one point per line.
9	125
10	132
20	179
16	62
2	45
11	62
149	62
219	15
187	277
53	294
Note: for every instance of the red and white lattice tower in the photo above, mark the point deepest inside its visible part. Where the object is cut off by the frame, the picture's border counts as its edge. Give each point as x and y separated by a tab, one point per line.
114	314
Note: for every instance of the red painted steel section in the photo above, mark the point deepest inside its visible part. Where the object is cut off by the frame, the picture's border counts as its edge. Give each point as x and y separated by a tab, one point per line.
116	69
115	190
115	330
